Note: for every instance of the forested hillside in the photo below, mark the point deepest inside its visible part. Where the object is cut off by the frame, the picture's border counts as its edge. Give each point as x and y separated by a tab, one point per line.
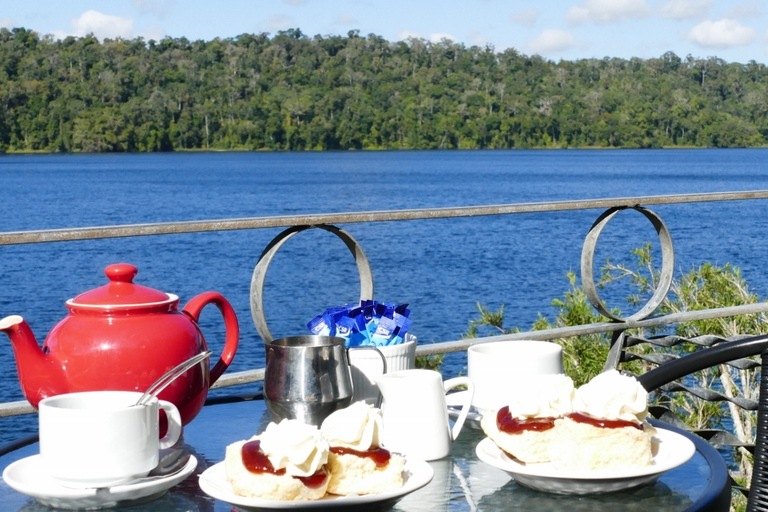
295	92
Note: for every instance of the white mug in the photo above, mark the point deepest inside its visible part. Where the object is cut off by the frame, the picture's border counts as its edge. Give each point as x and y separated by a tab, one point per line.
101	439
366	366
415	413
498	367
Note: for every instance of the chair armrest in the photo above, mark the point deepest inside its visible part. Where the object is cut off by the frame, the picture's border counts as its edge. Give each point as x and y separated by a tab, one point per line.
688	364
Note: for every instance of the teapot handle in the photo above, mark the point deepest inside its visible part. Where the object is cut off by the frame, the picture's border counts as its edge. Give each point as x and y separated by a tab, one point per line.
195	306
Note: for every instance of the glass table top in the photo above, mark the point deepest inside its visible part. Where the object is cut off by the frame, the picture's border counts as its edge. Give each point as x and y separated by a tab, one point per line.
461	481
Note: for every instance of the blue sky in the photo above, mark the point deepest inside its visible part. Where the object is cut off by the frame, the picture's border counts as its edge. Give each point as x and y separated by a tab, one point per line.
735	30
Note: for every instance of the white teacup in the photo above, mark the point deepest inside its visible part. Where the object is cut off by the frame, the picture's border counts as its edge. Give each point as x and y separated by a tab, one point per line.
100	439
497	368
366	366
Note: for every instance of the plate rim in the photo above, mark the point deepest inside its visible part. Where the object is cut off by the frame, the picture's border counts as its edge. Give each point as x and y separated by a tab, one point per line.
421	473
488	452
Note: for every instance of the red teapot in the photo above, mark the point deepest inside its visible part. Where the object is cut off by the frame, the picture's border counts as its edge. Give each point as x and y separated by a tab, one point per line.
122	336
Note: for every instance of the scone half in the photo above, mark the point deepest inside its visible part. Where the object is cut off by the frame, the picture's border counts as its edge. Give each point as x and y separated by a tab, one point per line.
267	485
356	473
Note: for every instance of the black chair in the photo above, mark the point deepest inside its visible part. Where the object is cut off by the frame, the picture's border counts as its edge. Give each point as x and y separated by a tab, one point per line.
669	372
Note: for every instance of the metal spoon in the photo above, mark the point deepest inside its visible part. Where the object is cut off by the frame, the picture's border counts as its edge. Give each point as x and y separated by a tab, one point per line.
171	375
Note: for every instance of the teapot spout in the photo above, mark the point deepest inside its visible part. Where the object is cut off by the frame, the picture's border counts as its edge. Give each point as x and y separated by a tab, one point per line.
39	375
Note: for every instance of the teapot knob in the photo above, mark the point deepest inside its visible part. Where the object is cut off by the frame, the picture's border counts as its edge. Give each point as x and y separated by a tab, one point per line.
121	272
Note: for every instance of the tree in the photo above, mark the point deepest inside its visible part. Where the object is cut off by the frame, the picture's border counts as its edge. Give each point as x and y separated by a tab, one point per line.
295	92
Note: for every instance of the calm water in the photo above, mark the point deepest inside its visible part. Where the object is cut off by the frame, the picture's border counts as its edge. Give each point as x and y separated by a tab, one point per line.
441	267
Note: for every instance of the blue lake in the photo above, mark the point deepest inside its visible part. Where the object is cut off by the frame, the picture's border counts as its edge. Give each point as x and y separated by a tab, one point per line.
442	268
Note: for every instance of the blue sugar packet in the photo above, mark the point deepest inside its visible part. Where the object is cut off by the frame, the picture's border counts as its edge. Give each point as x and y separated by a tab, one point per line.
321	325
403	323
368	308
361	326
346	328
385	332
371	327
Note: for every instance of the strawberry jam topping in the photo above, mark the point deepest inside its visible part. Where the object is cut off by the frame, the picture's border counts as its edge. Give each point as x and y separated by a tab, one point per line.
378	455
256	461
511	425
602	423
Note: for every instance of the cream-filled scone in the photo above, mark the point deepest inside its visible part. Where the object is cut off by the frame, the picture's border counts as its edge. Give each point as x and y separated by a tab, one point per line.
288	461
607	428
525	427
357	462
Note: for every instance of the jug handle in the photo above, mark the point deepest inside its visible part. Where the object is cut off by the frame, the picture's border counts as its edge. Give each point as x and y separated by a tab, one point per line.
453	383
370	347
195	306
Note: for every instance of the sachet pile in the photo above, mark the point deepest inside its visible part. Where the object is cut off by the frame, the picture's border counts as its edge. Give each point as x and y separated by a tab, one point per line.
370	323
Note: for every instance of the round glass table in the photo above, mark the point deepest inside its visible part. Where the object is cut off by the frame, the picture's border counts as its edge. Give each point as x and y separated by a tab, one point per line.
461	481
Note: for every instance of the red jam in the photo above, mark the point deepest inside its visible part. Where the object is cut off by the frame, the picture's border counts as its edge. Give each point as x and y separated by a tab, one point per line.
583	418
256	461
316	480
511	425
378	455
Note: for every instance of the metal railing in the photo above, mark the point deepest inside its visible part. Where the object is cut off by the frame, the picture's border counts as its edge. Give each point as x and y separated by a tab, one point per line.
617	326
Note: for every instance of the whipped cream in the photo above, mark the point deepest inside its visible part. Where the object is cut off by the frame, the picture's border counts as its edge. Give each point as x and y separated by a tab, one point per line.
357	427
294	446
612	396
543	396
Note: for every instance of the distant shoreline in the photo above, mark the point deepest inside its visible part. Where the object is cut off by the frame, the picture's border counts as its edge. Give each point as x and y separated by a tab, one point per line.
267	150
291	92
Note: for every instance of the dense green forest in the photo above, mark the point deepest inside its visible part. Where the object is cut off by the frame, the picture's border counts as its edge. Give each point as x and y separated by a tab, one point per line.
291	91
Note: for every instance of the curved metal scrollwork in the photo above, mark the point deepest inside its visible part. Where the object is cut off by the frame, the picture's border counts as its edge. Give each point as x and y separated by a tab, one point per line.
588	277
588	259
260	271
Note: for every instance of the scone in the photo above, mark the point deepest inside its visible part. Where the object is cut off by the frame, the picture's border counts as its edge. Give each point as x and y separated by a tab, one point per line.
524	428
357	463
607	428
288	461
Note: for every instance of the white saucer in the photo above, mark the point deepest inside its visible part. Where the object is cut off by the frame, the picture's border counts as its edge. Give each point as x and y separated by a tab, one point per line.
454	401
418	473
28	476
673	451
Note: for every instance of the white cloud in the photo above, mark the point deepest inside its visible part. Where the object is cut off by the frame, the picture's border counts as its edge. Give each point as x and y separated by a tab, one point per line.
155	32
721	34
526	17
552	40
407	34
685	9
102	25
607	11
439	36
476	38
7	23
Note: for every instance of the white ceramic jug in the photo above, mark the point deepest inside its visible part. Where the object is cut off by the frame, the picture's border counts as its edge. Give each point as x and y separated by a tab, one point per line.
415	413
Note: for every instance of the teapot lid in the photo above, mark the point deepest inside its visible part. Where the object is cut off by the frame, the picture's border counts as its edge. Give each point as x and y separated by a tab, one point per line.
120	291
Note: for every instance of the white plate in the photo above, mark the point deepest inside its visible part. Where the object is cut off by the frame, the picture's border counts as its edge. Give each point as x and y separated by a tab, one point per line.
28	476
673	450
418	473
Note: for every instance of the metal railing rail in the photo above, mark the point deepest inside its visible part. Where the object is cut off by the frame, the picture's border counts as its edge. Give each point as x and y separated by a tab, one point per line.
257	375
166	228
